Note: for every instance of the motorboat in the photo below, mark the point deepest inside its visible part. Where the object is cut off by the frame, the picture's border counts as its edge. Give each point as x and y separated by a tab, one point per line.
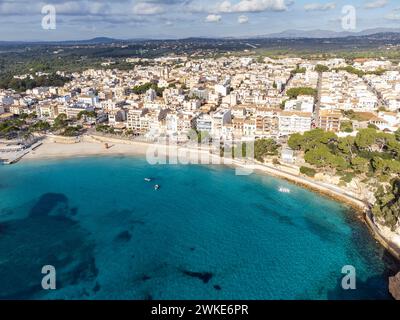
284	190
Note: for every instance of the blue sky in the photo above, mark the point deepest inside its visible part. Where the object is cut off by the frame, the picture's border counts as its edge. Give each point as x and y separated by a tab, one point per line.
83	19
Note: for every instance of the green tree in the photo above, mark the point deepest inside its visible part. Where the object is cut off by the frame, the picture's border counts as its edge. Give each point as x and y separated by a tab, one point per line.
265	147
60	122
72	131
320	156
359	164
296	141
346	146
387	205
40	126
308	171
293	93
397	134
85	113
321	68
346	126
366	138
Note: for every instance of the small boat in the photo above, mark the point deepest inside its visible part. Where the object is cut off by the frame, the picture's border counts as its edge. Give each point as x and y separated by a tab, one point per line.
284	190
147	179
156	187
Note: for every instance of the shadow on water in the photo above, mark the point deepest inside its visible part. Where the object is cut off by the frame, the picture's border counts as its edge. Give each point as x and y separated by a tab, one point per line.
48	236
323	228
282	218
371	254
123	236
373	288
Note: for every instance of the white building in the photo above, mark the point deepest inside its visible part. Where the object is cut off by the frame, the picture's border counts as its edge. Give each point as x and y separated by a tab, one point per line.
133	119
91	99
150	95
302	103
221	89
293	122
204	123
219	119
6	100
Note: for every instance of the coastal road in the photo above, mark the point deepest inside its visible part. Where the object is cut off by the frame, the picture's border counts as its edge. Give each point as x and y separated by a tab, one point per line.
310	182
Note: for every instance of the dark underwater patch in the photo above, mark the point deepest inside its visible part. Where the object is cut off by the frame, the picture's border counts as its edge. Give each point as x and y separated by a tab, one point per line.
203	276
145	278
97	287
44	239
47	203
124	236
2	228
325	230
74	211
217	287
280	217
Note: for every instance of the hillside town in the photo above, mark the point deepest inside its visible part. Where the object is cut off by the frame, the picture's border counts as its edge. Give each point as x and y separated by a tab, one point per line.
233	98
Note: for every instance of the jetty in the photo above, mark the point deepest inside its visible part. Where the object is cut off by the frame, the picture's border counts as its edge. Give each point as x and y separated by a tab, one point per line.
11	154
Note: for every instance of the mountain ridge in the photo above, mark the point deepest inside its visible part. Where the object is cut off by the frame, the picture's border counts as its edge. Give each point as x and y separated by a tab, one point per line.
287	34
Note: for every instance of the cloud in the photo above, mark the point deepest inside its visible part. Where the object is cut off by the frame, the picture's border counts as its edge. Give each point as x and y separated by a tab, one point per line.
17	7
78	8
243	19
394	15
320	6
70	8
252	6
147	8
213	18
376	4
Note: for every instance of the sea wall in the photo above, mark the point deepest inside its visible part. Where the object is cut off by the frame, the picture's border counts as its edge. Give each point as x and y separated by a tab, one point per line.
63	140
390	245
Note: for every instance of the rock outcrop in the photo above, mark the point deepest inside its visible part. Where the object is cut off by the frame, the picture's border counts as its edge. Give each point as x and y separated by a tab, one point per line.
394	286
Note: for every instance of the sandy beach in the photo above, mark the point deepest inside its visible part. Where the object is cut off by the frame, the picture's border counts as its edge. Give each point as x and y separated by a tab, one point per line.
95	146
90	146
51	150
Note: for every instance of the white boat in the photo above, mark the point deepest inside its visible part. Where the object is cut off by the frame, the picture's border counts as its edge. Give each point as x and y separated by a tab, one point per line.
156	187
284	190
147	179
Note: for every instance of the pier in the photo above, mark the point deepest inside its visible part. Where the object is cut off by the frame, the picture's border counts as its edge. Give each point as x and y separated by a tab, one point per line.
11	155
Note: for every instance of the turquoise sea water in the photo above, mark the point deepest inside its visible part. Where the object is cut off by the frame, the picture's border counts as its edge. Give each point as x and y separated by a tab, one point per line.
206	234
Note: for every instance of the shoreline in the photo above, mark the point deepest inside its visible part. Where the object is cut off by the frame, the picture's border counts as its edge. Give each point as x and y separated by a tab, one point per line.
53	150
93	146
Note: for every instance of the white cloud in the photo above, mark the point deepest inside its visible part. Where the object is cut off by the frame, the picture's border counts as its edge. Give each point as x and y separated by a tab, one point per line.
320	6
213	18
376	4
252	6
146	8
243	19
394	15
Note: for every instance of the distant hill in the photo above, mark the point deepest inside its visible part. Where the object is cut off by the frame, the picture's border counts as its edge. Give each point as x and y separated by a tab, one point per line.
326	33
376	33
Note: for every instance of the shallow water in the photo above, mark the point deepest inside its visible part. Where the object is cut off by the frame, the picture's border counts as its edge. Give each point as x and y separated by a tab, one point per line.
206	234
